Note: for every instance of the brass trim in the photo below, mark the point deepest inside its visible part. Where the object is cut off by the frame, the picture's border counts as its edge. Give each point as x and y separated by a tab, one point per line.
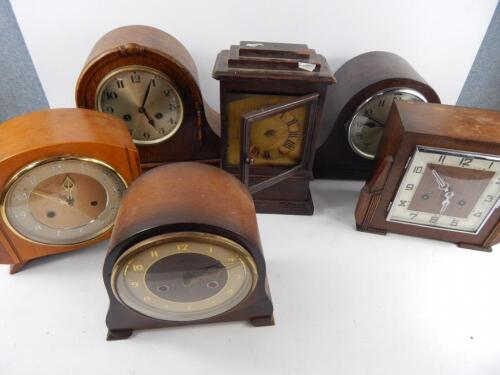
126	68
29	167
180	236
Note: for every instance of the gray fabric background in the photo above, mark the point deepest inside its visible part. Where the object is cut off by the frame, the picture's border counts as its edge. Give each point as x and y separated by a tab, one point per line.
20	88
482	86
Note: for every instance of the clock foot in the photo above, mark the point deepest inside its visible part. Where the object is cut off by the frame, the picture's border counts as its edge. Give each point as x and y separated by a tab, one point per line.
381	232
263	321
120	334
15	268
285	207
475	247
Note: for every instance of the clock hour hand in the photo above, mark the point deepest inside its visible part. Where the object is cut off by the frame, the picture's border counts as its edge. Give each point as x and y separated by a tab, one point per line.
445	187
371	122
68	186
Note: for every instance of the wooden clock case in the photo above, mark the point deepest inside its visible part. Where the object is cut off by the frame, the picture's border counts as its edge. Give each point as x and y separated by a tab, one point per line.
274	69
54	133
357	80
220	206
196	139
434	125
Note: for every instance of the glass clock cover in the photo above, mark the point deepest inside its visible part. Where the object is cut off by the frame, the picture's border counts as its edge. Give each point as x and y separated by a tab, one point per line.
184	276
145	99
367	125
63	201
277	140
446	189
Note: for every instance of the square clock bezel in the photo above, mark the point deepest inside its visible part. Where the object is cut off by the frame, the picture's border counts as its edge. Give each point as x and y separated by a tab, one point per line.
420	149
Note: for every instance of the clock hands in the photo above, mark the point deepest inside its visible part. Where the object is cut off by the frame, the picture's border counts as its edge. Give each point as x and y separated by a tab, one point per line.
142	108
68	186
444	187
49	196
372	123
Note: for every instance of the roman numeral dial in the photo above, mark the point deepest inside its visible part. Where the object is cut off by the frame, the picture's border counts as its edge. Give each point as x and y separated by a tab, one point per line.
277	140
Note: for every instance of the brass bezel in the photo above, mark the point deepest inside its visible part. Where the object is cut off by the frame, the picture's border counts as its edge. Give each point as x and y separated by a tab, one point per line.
27	168
180	236
126	68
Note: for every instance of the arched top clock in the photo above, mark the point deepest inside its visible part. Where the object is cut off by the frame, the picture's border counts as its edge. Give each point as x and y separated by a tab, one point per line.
184	252
148	79
62	175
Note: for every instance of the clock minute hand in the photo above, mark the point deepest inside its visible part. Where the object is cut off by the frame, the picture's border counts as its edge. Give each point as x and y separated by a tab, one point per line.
146	94
442	184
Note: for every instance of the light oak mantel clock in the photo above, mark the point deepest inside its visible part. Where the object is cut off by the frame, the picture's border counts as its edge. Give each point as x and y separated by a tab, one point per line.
62	173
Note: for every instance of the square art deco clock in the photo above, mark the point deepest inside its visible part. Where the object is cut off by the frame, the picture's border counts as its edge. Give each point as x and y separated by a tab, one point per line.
272	97
147	78
437	175
358	107
62	175
188	254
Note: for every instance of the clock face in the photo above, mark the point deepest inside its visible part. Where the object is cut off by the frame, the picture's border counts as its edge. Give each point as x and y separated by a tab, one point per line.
367	125
449	190
277	140
62	201
145	99
184	276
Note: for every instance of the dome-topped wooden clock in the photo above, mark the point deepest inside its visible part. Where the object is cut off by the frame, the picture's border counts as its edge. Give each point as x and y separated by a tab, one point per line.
272	98
62	174
148	79
358	107
185	250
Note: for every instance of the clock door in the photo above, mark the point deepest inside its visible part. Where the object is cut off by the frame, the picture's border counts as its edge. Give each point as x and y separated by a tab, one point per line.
278	136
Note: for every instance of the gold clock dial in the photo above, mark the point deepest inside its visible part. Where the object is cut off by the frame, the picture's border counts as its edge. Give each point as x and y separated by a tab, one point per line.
63	201
366	127
277	140
145	99
184	276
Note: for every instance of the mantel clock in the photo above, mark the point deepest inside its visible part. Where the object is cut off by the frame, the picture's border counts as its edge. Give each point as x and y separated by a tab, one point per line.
437	175
185	250
63	173
272	97
148	79
358	107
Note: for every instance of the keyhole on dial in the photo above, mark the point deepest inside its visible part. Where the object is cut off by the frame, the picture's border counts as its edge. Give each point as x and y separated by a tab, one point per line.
163	288
270	133
51	214
94	203
425	197
212	284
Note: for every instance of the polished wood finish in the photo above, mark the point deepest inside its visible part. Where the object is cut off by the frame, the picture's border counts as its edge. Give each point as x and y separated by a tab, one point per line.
172	198
434	125
263	68
357	80
53	133
196	139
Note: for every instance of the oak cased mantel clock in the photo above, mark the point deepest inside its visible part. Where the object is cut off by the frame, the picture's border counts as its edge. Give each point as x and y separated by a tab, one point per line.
358	107
62	174
184	252
436	175
148	79
272	97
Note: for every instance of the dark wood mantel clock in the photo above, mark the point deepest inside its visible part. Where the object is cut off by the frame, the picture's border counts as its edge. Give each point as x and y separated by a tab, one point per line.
272	97
62	173
358	107
184	252
147	78
437	175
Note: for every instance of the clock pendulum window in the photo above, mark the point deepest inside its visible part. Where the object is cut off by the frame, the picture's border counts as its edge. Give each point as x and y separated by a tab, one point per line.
272	97
182	257
148	79
63	173
437	175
